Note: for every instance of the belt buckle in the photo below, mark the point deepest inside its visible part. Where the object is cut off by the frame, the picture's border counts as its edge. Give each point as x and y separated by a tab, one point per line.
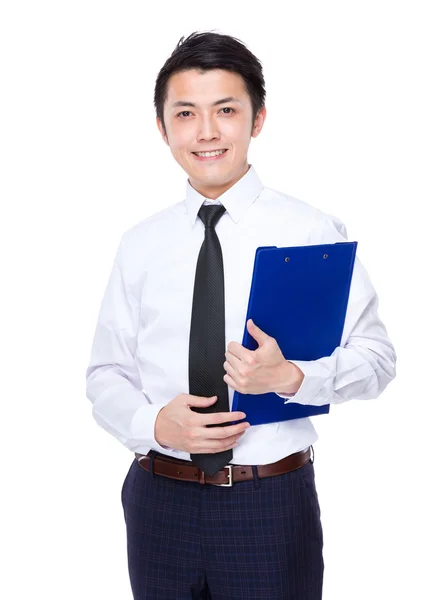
230	477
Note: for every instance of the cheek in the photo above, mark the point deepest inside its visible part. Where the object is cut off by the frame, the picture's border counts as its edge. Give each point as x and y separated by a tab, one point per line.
179	138
237	130
180	150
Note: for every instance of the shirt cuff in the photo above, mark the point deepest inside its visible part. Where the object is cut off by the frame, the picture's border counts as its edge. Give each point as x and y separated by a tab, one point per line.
143	426
314	378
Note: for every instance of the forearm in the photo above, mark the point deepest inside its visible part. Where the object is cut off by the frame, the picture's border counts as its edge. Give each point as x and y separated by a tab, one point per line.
361	369
289	379
122	409
365	361
113	381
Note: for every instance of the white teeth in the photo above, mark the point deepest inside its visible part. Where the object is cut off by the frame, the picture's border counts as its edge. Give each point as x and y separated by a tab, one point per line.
216	153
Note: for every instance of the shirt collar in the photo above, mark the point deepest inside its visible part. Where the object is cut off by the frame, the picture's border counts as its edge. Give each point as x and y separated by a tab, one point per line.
237	199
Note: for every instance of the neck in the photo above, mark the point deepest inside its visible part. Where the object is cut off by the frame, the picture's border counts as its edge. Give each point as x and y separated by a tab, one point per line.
212	192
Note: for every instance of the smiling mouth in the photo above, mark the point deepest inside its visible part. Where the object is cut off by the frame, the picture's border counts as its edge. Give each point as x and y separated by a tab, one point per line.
211	154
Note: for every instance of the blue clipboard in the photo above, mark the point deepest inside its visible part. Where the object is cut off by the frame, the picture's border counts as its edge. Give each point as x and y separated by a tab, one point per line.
299	295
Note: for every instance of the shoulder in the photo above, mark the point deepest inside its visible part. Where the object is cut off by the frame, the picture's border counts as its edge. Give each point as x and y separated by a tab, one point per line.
303	212
152	227
160	218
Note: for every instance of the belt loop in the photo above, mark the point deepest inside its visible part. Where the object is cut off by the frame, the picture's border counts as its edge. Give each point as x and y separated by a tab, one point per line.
256	479
201	476
152	457
313	455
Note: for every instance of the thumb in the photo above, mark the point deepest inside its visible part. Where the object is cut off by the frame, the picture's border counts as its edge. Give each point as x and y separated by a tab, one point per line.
201	400
258	334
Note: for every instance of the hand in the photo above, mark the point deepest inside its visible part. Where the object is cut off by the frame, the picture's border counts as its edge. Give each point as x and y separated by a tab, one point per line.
255	371
177	426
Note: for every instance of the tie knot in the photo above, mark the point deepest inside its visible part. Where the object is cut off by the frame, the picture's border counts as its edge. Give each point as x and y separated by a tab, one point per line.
210	214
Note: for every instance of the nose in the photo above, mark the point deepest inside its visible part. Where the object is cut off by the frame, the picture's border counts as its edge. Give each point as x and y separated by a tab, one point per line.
208	130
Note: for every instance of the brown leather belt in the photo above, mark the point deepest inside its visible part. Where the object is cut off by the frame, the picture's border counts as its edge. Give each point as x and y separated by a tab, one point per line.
186	471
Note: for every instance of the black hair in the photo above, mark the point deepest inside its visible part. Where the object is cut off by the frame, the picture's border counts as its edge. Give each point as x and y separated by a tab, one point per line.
208	50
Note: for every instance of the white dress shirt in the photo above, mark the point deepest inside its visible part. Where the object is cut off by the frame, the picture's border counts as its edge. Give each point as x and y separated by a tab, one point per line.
139	357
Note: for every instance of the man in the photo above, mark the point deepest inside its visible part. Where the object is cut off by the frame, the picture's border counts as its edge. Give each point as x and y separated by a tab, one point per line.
178	290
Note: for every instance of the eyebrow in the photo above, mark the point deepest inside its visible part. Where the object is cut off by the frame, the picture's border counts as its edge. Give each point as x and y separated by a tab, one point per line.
221	101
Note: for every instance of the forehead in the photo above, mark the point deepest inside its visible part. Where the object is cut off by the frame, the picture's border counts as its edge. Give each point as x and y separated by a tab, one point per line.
205	88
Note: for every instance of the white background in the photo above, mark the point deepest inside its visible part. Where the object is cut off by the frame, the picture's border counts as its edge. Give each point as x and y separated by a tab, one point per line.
348	130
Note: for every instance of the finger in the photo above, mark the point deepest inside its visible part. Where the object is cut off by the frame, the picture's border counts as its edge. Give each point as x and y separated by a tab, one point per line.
230	381
200	401
221	417
238	350
213	446
232	367
233	361
219	433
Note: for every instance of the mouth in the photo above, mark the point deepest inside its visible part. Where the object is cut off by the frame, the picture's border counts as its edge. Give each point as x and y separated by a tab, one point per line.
215	155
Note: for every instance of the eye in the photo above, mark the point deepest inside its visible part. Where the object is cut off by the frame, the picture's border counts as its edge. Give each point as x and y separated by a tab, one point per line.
186	112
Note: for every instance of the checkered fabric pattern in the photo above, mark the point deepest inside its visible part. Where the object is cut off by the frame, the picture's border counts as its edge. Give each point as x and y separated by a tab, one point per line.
258	540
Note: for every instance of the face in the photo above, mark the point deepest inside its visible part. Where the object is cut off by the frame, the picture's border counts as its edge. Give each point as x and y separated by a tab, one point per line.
199	117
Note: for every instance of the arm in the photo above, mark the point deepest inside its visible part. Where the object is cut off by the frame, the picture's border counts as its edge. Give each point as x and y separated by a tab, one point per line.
113	382
364	363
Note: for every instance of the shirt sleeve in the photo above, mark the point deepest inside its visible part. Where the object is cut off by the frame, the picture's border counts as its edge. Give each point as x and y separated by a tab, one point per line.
113	382
365	362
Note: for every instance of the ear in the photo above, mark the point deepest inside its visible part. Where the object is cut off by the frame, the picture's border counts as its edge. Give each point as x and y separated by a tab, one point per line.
259	121
162	130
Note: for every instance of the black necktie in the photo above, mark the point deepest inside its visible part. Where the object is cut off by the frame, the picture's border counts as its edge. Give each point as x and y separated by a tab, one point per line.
207	333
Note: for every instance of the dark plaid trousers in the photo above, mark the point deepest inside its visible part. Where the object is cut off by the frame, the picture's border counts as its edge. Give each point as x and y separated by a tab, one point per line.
258	540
